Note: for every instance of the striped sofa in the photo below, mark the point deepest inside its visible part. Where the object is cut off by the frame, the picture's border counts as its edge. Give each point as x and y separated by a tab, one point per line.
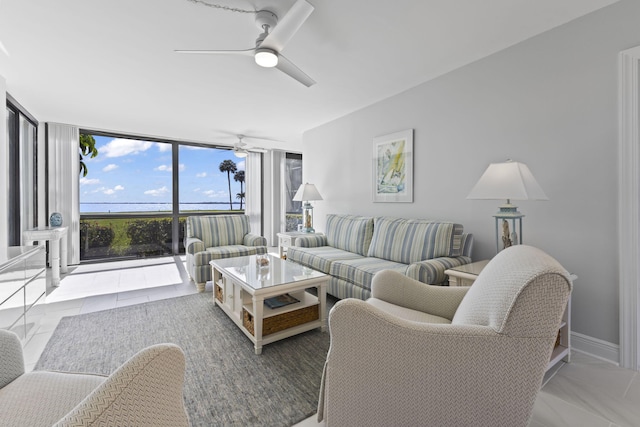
215	237
355	248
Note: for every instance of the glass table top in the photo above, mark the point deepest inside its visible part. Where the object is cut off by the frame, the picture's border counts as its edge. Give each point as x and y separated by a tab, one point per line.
278	271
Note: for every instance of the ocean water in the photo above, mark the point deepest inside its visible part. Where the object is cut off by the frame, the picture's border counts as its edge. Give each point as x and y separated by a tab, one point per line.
153	207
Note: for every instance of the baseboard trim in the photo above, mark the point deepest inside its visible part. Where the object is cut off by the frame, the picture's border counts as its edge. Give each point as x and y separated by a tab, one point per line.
595	347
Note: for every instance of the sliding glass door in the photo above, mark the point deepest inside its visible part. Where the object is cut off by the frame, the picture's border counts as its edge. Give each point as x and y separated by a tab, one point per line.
137	194
23	161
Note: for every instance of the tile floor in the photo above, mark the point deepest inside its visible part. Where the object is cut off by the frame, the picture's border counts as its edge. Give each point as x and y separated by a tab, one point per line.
586	392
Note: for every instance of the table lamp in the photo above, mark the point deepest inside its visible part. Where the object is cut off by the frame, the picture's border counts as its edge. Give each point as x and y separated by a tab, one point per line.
507	181
307	192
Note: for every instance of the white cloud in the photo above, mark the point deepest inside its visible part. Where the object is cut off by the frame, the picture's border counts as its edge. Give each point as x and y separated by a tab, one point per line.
169	168
123	147
162	147
110	191
201	175
157	192
240	165
110	167
89	181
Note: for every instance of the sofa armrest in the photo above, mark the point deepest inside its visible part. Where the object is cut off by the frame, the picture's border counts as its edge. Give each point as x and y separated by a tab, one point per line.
466	245
12	365
254	240
193	245
313	241
398	289
431	271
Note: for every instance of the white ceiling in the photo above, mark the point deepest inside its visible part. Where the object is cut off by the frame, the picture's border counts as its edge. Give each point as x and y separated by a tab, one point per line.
110	64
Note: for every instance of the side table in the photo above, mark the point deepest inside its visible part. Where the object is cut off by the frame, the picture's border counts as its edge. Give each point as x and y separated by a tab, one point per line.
57	237
286	240
466	274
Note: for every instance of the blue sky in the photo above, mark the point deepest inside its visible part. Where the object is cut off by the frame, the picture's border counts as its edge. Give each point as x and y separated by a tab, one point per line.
128	170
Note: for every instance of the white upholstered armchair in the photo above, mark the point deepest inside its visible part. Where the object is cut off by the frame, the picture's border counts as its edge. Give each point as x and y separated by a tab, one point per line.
416	354
145	391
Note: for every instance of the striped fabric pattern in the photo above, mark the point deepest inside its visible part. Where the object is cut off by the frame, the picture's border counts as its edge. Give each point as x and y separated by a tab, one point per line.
342	289
349	232
313	241
254	240
319	258
362	270
431	271
413	240
218	230
219	252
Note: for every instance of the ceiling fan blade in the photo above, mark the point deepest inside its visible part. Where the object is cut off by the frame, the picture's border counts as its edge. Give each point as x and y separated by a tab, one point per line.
3	49
289	68
246	52
288	26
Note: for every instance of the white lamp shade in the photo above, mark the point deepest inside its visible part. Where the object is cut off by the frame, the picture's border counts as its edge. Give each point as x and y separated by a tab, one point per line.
307	192
509	180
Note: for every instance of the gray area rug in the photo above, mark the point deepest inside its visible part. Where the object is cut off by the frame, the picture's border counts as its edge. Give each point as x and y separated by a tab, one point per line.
226	383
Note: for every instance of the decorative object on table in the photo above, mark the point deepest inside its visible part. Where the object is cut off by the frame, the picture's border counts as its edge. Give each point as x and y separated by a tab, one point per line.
55	220
280	301
306	193
262	260
511	181
393	167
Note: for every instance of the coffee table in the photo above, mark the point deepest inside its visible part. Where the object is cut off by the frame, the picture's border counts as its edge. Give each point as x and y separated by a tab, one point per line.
240	288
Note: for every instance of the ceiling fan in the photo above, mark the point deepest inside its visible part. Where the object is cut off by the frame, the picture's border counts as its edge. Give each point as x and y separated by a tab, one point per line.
272	40
240	148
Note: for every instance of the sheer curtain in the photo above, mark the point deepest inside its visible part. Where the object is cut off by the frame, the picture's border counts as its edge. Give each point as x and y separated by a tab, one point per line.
64	168
253	178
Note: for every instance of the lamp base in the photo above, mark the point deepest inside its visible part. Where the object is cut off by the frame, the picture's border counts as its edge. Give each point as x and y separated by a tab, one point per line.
308	230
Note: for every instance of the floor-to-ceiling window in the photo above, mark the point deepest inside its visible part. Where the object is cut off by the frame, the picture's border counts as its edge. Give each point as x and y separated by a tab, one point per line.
23	162
137	193
293	180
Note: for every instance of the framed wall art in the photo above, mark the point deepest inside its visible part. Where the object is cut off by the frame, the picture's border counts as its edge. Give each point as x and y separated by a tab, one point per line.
393	167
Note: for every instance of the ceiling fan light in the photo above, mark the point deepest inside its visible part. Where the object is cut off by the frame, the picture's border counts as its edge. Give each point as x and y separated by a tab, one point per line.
241	153
266	58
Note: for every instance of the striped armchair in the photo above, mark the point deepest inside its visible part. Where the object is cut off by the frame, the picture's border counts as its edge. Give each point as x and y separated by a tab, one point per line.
215	237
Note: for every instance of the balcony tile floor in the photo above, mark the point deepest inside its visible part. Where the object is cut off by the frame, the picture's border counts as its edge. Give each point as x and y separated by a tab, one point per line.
587	392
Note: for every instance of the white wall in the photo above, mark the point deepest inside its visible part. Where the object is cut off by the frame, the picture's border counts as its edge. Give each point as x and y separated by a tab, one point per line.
549	102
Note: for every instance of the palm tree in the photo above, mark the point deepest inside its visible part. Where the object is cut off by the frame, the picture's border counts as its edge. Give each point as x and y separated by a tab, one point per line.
241	197
87	147
239	177
229	166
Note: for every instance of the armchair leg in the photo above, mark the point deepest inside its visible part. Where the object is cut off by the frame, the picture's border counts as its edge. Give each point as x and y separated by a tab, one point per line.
201	286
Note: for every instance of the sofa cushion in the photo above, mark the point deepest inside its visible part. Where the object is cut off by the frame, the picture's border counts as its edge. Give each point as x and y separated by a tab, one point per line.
412	240
349	233
361	270
319	258
230	251
218	230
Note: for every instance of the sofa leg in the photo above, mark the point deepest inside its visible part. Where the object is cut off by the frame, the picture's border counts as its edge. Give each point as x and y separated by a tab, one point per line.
201	286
